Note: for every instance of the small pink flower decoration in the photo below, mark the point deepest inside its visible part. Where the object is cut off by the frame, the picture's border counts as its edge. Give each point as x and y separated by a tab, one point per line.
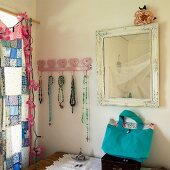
74	62
86	61
31	104
37	151
33	85
22	16
25	32
28	68
62	63
5	34
143	16
28	51
30	119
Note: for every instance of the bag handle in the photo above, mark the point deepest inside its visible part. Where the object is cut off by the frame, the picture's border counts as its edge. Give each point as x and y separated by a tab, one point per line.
132	115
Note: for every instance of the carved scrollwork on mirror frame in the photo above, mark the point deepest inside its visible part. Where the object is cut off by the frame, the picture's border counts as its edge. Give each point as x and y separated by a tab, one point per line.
128	66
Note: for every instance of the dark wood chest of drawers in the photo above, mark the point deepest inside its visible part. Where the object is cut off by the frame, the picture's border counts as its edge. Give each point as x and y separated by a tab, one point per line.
114	163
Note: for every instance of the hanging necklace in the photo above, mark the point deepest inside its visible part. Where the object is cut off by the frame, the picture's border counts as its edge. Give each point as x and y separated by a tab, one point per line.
50	82
40	89
85	110
60	91
72	96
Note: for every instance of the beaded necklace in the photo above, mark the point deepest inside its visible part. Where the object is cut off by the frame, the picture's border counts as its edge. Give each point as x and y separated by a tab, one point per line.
85	109
50	82
72	96
60	91
40	89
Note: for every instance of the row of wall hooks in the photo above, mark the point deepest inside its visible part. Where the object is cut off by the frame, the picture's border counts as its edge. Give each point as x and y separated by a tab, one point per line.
72	64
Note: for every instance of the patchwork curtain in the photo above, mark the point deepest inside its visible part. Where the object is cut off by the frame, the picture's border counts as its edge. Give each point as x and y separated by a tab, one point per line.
14	134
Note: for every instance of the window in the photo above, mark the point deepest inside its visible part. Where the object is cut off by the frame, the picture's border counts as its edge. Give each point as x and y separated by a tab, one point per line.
8	19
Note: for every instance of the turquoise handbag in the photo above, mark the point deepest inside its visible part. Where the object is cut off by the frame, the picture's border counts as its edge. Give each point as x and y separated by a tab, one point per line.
132	144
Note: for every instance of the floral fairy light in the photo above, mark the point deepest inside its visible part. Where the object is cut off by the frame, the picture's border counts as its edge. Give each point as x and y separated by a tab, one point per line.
4	34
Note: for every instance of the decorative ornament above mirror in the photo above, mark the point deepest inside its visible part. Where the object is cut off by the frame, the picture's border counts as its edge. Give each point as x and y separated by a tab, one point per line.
143	16
128	66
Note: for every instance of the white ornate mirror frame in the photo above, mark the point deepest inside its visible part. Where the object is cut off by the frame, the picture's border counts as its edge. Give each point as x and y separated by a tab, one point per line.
153	100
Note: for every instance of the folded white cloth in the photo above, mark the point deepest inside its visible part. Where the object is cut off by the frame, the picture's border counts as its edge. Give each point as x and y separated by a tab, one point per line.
68	163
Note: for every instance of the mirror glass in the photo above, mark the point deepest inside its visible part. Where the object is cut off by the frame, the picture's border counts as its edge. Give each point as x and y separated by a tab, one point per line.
128	66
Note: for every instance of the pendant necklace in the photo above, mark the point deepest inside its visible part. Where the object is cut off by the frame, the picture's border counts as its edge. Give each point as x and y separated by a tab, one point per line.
85	109
60	91
40	89
72	95
50	83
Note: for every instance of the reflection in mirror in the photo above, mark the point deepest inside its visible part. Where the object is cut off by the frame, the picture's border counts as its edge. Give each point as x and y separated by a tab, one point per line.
127	66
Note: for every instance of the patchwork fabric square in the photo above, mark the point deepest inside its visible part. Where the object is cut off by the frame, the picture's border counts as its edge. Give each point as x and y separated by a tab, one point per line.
9	163
16	158
14	162
14	120
14	115
13	100
7	62
25	157
1	144
1	55
14	44
19	43
14	111
2	58
13	63
13	53
19	62
25	89
6	43
6	51
19	53
17	166
25	134
13	140
24	107
1	85
2	82
13	80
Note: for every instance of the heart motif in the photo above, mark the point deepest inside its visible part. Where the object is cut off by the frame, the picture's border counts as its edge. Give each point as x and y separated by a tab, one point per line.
74	62
51	63
62	62
86	62
41	63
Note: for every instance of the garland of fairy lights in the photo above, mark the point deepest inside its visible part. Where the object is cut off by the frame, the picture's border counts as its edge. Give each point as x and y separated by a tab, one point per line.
33	86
